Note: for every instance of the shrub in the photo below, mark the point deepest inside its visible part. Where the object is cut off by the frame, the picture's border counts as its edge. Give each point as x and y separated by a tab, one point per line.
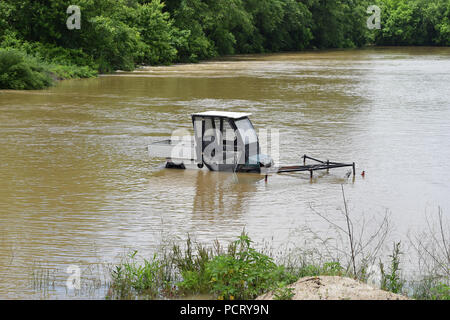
283	292
430	288
117	45
20	71
62	72
63	63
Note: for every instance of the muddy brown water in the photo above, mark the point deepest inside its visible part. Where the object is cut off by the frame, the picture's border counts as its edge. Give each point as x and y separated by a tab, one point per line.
77	186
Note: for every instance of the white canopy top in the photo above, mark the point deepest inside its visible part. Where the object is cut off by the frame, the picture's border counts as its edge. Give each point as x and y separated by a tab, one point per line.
223	114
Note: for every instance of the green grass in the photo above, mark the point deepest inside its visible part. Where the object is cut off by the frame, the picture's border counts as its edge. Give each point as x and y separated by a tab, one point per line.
64	72
238	272
242	273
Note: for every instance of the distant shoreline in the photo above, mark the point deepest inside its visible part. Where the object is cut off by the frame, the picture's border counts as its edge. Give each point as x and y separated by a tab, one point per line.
60	73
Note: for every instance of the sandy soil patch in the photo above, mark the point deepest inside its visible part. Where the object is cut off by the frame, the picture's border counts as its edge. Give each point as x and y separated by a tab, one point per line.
335	288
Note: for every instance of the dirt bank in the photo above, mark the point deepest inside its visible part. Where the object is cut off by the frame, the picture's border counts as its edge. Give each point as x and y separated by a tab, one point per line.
335	288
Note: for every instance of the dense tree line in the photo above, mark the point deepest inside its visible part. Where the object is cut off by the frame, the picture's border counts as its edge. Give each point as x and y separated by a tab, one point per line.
120	34
414	22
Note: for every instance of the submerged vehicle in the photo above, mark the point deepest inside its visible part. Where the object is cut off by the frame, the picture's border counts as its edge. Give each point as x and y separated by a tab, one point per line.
223	141
226	141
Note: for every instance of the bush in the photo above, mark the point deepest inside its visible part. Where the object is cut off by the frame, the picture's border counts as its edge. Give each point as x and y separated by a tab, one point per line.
243	273
391	280
20	71
64	63
117	45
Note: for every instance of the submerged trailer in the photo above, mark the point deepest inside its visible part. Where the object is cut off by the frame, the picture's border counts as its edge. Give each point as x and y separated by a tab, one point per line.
227	141
319	165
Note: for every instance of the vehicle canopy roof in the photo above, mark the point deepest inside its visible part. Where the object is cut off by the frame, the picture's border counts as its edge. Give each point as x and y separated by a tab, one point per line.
223	114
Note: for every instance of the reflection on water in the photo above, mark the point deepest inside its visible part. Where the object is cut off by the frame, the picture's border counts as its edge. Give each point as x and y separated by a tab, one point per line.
77	187
225	194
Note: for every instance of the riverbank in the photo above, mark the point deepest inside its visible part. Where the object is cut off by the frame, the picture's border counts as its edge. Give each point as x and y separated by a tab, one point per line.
345	105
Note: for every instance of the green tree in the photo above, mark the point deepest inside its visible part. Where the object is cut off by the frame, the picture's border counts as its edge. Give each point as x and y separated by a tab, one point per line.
192	15
227	22
401	23
156	28
437	19
117	46
295	29
338	24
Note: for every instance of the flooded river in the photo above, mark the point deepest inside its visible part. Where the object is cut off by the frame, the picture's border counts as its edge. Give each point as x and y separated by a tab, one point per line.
77	186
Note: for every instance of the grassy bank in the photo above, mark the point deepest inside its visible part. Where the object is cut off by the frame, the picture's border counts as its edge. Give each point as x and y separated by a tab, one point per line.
242	272
237	272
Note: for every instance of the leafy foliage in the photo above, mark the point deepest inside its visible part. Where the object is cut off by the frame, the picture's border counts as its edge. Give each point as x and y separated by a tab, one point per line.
391	281
283	292
414	22
19	71
431	289
245	274
159	35
239	272
120	34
